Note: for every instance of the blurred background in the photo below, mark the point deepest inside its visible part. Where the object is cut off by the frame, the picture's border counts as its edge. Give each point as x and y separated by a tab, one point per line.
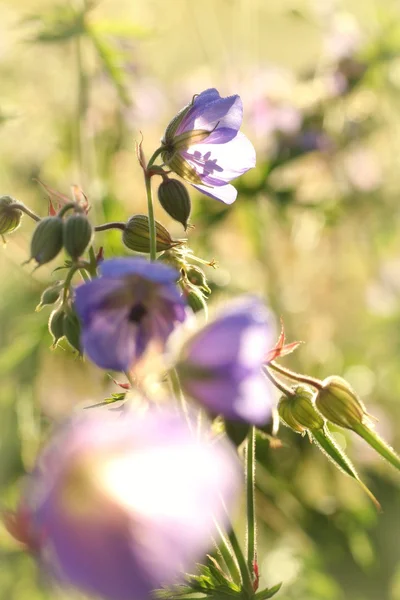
315	229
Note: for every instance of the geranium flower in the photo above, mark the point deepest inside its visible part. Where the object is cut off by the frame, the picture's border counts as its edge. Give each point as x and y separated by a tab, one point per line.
204	146
221	365
121	505
132	303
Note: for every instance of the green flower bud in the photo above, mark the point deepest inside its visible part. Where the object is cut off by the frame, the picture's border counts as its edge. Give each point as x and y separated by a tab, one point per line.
339	403
56	324
197	277
136	235
174	124
47	240
50	295
175	200
77	235
72	331
195	298
298	411
10	218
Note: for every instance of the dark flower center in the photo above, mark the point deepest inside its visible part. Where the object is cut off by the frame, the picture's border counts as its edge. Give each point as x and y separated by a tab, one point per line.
137	313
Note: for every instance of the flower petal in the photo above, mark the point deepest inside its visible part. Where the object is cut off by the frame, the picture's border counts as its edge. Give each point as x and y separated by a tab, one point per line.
92	294
110	341
225	193
218	112
242	333
218	164
247	400
155	271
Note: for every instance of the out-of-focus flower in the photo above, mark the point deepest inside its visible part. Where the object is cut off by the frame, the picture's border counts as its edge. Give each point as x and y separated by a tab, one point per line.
204	146
121	504
133	303
220	366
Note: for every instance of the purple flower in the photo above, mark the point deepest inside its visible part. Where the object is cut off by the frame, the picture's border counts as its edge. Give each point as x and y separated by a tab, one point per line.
220	366
121	505
204	146
133	303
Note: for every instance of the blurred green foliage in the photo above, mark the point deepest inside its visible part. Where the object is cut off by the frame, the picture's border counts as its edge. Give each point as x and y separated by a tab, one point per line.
315	230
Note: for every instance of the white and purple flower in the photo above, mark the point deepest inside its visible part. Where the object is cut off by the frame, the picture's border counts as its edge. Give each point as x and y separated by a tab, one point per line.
204	146
220	366
133	302
118	506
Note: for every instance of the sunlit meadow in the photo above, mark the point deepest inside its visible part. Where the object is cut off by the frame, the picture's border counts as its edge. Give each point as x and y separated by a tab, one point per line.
314	232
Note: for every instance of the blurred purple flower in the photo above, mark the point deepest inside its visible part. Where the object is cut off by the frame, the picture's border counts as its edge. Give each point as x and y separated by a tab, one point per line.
133	303
204	146
122	505
220	366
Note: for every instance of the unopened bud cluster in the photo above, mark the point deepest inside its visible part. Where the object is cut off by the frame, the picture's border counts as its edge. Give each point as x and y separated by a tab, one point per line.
51	234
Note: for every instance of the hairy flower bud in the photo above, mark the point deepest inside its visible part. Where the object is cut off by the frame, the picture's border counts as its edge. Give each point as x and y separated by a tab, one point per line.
10	218
175	200
136	235
339	403
50	295
195	298
47	240
72	331
56	324
77	235
298	411
197	277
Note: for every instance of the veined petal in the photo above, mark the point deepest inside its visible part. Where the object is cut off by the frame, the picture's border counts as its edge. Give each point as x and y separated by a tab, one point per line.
206	114
218	164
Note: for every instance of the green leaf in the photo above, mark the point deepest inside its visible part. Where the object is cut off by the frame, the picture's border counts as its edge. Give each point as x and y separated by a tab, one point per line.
268	593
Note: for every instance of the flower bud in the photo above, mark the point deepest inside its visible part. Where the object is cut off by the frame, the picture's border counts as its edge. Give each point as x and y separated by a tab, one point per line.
136	235
72	331
10	218
195	298
338	403
298	411
50	295
197	277
175	200
47	240
56	324
77	235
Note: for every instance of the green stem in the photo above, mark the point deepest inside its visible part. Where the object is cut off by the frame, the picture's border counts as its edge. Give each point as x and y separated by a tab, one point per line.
152	222
329	446
278	384
92	262
177	391
225	550
373	439
244	571
316	383
69	206
26	210
150	208
250	489
112	225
